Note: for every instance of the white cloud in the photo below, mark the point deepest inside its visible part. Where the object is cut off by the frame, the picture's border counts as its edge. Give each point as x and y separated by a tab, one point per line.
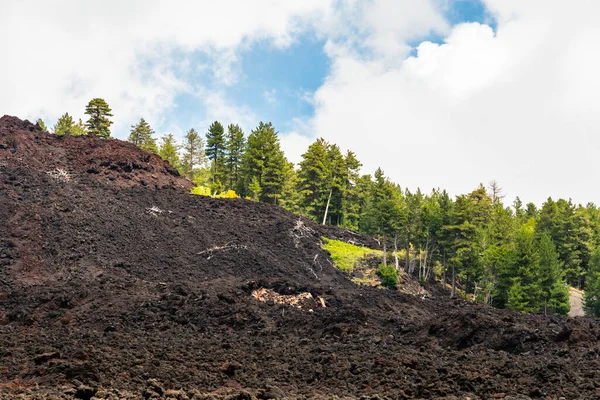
294	144
270	96
520	106
60	54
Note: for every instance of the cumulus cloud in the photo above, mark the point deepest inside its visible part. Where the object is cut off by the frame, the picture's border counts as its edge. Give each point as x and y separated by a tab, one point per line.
60	54
519	105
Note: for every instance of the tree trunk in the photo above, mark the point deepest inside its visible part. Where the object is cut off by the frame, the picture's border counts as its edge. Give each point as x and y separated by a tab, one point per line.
396	252
384	250
444	268
453	291
327	207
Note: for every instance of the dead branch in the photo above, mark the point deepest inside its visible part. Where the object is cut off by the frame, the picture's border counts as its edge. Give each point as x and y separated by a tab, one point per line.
300	231
226	247
60	175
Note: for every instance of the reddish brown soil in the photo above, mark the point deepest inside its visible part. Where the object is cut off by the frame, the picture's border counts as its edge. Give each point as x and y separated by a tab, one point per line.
109	287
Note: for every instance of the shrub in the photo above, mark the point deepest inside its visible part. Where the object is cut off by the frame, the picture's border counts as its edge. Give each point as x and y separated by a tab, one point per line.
205	191
388	275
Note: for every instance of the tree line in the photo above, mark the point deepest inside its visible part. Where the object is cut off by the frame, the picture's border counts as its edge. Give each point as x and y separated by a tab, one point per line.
518	256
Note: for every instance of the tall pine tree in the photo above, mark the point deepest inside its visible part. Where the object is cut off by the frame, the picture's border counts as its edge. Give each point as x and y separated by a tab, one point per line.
194	159
169	150
215	150
262	164
141	136
99	123
235	145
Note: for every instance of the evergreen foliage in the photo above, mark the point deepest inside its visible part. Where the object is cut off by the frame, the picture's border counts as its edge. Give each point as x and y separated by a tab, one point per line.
235	146
592	290
169	150
520	257
99	123
194	159
263	164
42	124
215	151
388	275
141	136
64	125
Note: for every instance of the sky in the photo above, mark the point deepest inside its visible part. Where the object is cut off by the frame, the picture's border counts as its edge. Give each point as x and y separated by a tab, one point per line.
438	93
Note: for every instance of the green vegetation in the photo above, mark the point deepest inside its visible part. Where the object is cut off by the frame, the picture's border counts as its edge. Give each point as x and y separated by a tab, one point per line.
42	124
141	135
98	124
388	275
509	256
346	256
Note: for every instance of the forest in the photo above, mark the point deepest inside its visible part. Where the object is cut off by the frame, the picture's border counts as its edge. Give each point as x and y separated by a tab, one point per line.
505	254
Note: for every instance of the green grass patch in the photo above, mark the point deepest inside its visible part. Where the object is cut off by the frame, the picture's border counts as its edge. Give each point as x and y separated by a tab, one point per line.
347	256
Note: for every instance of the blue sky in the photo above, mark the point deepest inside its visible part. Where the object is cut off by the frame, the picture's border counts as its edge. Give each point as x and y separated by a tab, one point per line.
271	82
438	93
276	83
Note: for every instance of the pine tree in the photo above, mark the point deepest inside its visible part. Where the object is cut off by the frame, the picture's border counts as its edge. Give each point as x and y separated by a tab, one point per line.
193	155
98	124
64	125
518	298
560	302
336	183
141	136
592	289
42	124
353	198
524	269
551	278
262	164
215	150
471	213
169	150
383	212
79	129
313	176
290	198
235	145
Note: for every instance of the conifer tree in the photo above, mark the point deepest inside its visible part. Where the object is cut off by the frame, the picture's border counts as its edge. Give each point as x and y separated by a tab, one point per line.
262	164
215	150
555	293
382	214
290	198
354	200
169	150
42	124
524	272
79	129
235	145
592	289
99	123
64	125
141	136
313	176
193	154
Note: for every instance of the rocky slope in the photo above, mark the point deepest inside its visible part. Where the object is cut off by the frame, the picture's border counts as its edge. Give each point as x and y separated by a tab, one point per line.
115	282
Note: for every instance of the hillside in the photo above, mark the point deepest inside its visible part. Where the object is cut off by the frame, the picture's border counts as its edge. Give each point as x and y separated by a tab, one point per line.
116	282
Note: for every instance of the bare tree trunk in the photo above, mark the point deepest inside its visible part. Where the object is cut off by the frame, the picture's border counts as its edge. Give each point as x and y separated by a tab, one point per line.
453	292
384	251
396	252
444	268
327	207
